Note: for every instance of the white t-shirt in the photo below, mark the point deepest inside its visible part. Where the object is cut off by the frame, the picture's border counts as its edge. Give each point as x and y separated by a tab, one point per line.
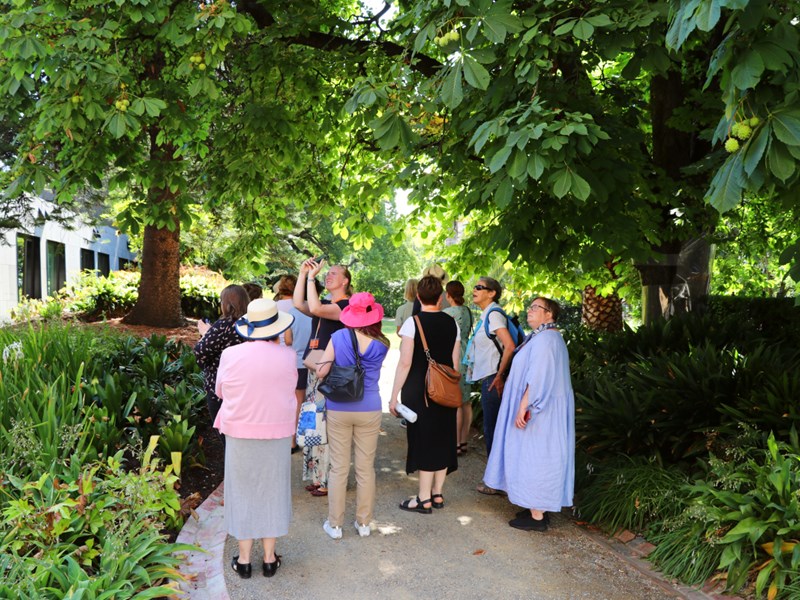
485	356
409	329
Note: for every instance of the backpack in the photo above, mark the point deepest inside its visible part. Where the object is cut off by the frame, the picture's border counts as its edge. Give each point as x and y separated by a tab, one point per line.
513	326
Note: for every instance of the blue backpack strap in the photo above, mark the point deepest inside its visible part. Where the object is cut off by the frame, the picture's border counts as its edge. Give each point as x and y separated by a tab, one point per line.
493	336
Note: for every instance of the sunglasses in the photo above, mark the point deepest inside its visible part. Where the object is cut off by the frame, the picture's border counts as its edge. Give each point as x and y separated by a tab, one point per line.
480	287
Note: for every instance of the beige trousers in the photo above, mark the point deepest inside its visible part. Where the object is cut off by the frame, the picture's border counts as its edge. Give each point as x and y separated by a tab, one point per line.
346	430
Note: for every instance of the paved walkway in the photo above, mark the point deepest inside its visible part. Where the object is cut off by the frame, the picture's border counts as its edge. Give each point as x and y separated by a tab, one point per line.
463	551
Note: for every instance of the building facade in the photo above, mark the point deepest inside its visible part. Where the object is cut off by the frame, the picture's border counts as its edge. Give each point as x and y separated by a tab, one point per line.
37	260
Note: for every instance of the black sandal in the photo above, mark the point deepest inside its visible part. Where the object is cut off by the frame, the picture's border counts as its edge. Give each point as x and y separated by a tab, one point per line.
419	508
439	504
271	568
243	570
462	448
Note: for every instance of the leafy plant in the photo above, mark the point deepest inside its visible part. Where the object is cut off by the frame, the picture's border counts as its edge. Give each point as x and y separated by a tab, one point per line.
629	493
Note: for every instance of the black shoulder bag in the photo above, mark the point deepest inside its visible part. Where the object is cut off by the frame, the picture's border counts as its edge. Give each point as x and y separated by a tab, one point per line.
345	384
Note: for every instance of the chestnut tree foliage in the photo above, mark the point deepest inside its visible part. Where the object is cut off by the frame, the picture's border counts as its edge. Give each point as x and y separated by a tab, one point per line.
572	138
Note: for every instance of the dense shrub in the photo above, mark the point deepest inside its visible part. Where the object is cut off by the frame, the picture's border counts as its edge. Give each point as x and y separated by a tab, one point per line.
712	397
83	506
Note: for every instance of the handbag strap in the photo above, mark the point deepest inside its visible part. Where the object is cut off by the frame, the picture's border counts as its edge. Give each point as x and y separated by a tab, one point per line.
424	341
355	347
316	333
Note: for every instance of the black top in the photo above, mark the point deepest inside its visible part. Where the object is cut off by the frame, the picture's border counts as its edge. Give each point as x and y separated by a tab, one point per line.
326	326
209	350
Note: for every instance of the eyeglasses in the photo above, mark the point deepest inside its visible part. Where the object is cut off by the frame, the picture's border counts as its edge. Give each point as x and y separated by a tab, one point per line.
480	287
535	306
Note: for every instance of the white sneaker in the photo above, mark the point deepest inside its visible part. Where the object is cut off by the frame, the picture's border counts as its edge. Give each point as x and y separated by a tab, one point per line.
334	532
363	530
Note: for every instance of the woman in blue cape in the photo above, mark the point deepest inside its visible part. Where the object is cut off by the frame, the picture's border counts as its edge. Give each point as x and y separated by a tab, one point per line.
533	457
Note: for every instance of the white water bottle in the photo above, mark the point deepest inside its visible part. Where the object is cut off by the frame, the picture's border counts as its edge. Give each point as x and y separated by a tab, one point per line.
405	412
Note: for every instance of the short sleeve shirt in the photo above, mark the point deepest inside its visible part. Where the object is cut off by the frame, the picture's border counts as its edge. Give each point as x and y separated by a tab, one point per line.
486	356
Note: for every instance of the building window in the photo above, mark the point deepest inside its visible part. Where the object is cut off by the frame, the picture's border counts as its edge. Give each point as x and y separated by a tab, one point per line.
87	259
56	267
123	262
103	263
29	267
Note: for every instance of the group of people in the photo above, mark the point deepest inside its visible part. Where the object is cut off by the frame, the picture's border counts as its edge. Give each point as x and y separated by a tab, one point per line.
255	390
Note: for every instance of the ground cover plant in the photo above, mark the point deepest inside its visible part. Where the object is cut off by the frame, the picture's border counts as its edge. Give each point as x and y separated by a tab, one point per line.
95	428
687	433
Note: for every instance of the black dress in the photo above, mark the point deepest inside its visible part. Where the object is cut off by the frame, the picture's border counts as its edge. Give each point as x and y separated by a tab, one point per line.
432	438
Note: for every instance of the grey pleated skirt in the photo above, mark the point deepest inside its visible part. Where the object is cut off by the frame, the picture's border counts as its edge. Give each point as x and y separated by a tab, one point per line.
258	492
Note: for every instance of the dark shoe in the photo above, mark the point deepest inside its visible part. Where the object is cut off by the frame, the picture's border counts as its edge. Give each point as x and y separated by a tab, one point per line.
485	489
244	570
440	503
420	508
311	487
296	449
461	449
403	423
271	568
319	491
528	523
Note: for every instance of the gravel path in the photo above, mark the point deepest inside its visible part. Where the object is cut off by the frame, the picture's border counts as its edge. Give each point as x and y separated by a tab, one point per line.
463	551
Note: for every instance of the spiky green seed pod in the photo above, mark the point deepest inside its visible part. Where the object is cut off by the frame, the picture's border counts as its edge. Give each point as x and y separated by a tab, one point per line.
731	145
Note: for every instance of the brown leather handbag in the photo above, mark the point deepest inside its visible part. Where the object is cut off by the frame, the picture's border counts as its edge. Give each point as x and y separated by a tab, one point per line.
441	382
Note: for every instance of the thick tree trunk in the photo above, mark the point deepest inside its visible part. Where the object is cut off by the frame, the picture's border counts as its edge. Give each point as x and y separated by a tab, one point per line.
601	313
159	302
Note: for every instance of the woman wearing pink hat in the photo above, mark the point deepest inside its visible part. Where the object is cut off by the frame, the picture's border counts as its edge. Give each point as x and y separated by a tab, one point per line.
356	423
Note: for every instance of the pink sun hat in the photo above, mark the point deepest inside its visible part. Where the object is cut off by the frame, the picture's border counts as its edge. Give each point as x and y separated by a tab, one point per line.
361	311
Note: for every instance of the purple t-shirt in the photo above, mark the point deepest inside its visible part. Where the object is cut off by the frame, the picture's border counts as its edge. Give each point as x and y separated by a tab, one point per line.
371	360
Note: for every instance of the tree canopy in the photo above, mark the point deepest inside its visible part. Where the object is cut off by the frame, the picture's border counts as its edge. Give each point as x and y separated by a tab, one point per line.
579	138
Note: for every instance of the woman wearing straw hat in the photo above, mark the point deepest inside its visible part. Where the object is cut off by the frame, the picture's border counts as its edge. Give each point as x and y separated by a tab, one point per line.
357	423
256	382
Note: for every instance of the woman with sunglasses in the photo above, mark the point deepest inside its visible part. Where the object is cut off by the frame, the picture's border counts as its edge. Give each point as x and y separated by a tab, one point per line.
534	446
487	358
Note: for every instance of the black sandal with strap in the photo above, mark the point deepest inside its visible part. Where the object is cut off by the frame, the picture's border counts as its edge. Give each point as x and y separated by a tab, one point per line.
439	504
419	508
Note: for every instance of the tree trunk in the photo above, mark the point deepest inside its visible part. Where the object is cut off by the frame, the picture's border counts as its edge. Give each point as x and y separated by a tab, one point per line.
601	313
159	301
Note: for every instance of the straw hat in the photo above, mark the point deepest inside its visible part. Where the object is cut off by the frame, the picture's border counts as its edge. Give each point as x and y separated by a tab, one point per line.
263	320
435	270
362	310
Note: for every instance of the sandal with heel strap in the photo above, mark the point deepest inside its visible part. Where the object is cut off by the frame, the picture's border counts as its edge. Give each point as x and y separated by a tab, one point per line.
440	503
419	508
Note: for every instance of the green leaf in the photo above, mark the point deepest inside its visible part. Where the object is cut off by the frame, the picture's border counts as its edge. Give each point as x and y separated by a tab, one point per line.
536	166
580	187
519	165
475	73
707	15
562	183
504	193
565	27
743	528
780	161
747	73
154	106
755	150
726	188
787	127
499	159
600	20
452	93
117	125
583	30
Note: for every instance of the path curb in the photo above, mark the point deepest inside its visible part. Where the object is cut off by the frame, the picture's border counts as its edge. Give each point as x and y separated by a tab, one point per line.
203	569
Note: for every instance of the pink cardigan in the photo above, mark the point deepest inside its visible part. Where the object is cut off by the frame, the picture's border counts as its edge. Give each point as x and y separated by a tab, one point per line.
256	381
